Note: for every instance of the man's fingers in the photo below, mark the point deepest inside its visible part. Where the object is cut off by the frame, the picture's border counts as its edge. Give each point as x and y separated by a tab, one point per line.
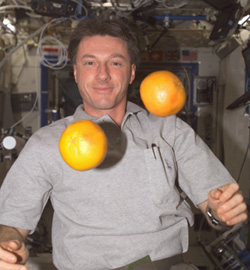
239	212
215	194
9	252
7	256
230	204
237	219
14	245
224	193
228	191
7	266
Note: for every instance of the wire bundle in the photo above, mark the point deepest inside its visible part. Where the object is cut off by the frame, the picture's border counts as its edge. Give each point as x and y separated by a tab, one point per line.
62	56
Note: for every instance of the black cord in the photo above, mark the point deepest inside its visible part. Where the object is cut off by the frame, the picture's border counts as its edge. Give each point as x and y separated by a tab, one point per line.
245	157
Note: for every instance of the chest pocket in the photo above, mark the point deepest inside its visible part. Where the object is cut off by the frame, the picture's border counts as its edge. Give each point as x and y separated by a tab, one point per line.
161	166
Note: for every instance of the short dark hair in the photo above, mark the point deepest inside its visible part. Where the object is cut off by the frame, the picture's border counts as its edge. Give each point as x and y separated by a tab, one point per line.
110	27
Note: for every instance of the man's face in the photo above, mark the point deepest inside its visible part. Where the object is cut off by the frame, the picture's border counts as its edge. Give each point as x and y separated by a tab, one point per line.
103	72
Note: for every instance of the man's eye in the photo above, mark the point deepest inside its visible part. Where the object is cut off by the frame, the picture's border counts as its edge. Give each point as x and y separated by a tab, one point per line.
89	63
116	64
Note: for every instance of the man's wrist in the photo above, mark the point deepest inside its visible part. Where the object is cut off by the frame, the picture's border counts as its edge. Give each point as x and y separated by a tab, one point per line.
215	221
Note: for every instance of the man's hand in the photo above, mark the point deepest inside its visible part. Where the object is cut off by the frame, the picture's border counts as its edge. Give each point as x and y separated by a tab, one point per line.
227	204
13	252
12	255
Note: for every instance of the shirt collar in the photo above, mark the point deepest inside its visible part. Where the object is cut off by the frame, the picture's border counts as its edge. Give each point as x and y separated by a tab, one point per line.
80	114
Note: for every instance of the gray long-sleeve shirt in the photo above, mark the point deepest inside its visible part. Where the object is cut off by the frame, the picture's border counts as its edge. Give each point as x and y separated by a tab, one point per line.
126	208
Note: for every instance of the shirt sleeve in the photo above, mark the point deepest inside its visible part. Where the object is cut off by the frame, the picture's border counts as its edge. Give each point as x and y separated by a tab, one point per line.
199	170
26	188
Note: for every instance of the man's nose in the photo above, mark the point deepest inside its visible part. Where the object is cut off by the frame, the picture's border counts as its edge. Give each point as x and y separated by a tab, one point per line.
103	72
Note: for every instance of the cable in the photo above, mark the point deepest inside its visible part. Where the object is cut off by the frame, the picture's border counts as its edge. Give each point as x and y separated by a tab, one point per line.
174	6
36	99
245	157
20	45
62	54
40	30
62	50
20	2
32	15
79	2
15	6
63	57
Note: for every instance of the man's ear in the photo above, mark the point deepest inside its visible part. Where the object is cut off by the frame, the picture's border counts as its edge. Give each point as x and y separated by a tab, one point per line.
75	73
132	76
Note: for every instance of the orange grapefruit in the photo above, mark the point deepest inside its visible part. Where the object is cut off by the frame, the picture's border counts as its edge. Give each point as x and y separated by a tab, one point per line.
83	145
162	93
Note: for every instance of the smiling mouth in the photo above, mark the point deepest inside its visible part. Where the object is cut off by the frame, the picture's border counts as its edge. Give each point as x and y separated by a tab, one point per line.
103	89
